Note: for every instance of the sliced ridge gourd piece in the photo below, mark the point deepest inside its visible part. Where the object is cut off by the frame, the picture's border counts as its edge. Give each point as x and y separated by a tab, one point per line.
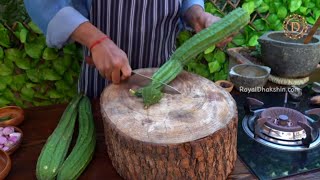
225	27
55	149
83	150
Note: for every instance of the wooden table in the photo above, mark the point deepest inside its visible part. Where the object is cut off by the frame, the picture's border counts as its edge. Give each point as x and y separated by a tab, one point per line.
40	123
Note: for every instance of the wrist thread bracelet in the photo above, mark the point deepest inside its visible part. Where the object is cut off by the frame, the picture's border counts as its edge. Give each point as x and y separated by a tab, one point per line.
98	42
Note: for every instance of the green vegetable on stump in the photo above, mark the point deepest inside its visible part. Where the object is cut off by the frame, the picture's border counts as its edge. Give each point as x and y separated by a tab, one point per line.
228	25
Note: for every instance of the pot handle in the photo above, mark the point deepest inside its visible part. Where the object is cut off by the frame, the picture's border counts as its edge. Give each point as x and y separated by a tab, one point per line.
268	69
315	111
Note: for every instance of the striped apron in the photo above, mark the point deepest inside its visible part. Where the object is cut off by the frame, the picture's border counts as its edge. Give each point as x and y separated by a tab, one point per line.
145	30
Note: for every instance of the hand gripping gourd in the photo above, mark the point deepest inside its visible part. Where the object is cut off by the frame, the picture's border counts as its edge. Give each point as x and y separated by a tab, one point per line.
225	27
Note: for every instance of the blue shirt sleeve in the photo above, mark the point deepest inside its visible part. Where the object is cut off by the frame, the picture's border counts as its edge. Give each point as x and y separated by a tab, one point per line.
57	18
186	4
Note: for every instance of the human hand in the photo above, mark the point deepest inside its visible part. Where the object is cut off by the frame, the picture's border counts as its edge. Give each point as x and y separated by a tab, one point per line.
111	62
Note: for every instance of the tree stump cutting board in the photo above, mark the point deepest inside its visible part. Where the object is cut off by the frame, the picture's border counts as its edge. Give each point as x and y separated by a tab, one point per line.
192	135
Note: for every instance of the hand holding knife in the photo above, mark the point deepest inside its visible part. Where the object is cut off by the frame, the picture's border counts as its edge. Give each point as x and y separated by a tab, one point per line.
141	80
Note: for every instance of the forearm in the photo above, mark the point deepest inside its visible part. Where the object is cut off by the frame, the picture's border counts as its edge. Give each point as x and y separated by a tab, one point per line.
86	34
194	17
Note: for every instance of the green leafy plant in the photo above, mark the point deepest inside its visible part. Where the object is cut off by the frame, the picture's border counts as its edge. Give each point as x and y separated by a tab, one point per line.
267	15
33	74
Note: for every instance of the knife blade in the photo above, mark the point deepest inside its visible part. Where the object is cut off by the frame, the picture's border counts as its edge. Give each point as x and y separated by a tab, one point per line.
143	80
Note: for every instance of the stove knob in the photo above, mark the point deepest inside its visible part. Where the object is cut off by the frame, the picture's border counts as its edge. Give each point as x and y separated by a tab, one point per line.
283	120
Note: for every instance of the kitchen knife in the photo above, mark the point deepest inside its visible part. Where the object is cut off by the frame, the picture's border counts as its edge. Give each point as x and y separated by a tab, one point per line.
143	80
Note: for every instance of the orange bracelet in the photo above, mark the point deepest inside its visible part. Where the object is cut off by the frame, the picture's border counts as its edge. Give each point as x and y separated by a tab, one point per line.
98	42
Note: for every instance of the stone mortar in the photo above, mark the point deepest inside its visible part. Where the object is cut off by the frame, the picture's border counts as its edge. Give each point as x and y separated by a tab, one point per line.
288	57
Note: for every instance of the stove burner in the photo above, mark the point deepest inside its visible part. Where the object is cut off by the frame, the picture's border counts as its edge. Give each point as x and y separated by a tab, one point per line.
281	128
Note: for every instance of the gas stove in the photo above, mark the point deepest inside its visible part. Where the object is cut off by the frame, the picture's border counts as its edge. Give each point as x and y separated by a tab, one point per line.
281	127
278	137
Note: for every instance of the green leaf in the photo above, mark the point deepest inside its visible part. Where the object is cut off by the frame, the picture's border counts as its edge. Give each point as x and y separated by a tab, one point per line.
8	95
54	94
294	5
35	63
3	86
68	77
42	103
303	10
50	54
239	40
210	8
6	79
31	85
210	49
9	64
220	76
200	69
23	35
67	60
4	37
311	5
34	75
316	14
5	70
62	85
282	12
13	54
70	49
318	3
3	102
40	96
249	7
23	63
59	66
50	75
34	27
75	66
183	37
1	53
310	20
214	66
263	8
253	41
259	24
18	82
257	3
306	2
272	18
220	56
27	92
209	57
34	49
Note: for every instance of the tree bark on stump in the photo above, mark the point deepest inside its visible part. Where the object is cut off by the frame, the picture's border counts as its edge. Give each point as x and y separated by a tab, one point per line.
192	135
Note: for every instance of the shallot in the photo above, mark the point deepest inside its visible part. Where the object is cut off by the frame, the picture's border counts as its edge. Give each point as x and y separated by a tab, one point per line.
8	138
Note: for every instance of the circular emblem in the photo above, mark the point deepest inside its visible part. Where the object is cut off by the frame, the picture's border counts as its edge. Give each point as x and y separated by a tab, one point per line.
295	26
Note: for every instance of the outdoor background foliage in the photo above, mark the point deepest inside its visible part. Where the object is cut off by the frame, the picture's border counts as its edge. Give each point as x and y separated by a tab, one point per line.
31	74
266	15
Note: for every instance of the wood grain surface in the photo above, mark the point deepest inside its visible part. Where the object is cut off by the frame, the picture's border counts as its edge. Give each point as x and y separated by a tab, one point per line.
192	135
